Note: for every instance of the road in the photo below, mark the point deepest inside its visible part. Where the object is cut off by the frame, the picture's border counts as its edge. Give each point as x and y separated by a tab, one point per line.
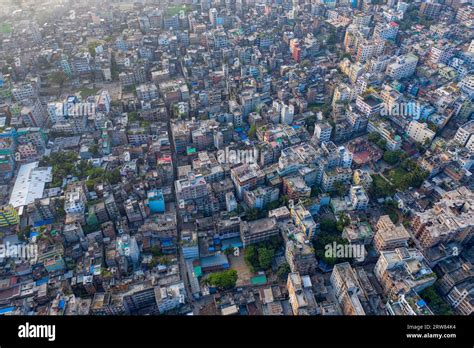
179	224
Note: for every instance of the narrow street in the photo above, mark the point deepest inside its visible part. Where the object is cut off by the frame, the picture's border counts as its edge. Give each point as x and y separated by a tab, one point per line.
182	264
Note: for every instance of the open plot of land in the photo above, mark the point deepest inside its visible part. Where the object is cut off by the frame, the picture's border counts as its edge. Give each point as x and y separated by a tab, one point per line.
86	92
397	176
243	272
176	10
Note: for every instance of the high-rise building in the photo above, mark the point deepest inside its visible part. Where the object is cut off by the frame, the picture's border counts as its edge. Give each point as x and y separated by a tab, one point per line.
388	236
404	66
302	299
420	132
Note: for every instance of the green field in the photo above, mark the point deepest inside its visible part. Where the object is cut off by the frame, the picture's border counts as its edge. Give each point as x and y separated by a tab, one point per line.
5	28
398	177
175	9
86	92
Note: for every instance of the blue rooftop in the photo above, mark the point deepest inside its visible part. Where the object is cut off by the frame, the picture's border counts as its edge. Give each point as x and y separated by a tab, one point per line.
6	310
42	281
231	243
215	260
421	303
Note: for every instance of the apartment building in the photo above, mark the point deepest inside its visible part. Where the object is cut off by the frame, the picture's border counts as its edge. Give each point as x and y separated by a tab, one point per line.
252	232
403	67
388	236
348	289
359	198
402	270
420	132
450	219
302	299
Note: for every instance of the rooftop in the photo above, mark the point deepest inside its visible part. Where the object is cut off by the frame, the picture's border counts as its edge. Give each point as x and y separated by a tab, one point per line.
29	184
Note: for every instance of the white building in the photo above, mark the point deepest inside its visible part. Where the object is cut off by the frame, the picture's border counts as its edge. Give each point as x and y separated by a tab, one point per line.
230	201
286	112
29	184
75	201
322	131
404	66
386	31
467	85
359	198
420	132
24	91
147	92
33	114
465	133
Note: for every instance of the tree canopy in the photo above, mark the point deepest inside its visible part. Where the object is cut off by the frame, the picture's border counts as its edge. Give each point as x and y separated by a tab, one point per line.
223	280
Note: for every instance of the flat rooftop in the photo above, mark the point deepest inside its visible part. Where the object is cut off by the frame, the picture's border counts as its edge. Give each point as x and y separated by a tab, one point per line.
29	184
261	225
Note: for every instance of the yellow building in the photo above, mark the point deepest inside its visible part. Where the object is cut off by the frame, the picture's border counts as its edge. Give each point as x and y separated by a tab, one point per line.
8	216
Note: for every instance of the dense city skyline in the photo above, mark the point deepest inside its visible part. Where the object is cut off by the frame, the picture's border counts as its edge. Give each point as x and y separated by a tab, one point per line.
237	157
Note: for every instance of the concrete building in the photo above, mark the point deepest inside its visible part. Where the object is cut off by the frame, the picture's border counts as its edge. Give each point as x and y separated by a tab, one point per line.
420	132
75	200
388	236
402	270
465	133
261	197
404	66
322	131
450	219
252	232
156	201
303	219
302	299
246	177
299	252
358	197
347	288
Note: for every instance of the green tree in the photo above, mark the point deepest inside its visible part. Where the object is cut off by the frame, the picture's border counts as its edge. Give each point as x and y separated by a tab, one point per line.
92	46
284	200
113	177
58	77
265	257
435	301
223	280
155	251
381	143
283	270
393	157
132	116
324	239
94	150
252	132
328	225
229	251
315	190
373	137
339	188
342	222
380	188
251	257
